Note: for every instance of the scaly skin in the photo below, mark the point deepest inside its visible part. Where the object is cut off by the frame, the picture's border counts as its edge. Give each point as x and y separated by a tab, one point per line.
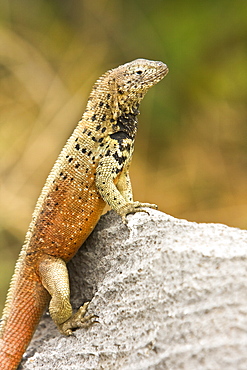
92	170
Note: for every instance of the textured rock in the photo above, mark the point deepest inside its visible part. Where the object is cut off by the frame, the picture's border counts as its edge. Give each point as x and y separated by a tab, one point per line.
170	294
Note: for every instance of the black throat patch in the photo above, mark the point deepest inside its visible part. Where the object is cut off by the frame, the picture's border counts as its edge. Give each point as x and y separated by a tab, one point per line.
126	127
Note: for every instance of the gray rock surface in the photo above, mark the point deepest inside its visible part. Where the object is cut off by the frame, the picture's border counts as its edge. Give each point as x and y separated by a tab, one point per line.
170	294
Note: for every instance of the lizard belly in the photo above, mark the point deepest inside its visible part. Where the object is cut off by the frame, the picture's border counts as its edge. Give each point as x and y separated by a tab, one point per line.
67	218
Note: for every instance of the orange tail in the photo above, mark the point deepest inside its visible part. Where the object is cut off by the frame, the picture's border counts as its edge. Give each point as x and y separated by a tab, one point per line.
20	322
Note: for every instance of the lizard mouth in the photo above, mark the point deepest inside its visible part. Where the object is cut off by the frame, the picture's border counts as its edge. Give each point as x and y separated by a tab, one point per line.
162	71
159	74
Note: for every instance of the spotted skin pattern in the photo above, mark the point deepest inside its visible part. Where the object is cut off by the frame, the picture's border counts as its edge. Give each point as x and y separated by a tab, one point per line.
92	170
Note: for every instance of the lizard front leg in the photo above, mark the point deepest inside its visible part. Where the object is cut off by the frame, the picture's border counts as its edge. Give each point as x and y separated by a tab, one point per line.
119	197
125	188
54	277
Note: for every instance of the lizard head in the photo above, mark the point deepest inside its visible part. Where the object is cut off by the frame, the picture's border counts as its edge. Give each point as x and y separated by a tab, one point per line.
138	76
125	86
131	81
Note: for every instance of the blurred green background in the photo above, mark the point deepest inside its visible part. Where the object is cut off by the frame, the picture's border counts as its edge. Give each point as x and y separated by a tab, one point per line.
191	149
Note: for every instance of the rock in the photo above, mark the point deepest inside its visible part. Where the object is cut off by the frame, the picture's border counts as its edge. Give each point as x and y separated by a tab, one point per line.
170	294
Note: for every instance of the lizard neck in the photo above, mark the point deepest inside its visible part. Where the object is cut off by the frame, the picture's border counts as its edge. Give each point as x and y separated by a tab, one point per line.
113	113
127	123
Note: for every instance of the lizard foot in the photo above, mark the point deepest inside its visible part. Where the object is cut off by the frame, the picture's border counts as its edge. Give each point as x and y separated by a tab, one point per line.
78	320
133	208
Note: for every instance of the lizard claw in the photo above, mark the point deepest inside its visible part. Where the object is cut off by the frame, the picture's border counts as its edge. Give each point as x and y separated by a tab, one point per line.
78	320
133	208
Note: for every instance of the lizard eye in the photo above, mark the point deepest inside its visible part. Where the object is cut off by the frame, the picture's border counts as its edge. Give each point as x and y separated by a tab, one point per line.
139	72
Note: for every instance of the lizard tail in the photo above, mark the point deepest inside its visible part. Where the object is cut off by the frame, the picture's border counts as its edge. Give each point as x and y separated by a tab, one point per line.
20	322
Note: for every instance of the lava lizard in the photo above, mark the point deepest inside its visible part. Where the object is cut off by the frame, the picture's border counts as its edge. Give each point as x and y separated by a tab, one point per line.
91	170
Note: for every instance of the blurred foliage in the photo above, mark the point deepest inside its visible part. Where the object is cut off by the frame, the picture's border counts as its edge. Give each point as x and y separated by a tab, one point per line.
192	147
